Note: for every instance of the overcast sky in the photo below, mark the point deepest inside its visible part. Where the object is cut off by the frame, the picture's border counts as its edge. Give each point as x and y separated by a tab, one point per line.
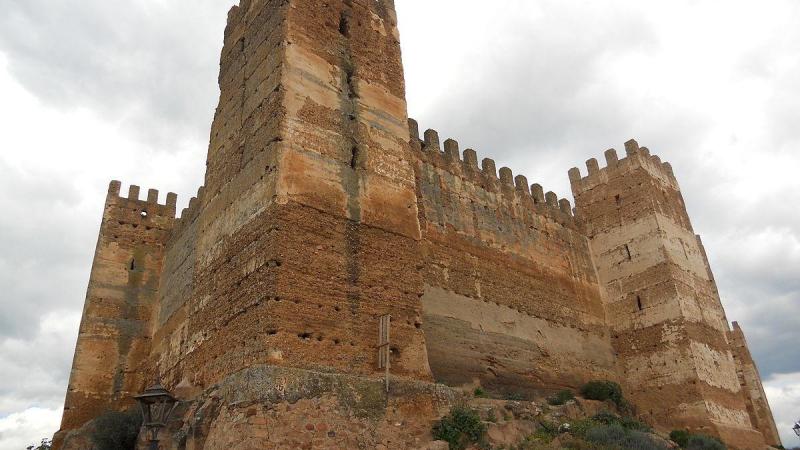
94	90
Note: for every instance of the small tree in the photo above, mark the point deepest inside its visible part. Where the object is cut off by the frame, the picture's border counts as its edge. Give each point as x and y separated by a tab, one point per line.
117	430
561	398
680	437
45	444
460	428
602	391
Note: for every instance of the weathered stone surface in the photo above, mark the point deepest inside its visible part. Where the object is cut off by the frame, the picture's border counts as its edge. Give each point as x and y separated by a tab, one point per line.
755	398
323	210
670	333
279	408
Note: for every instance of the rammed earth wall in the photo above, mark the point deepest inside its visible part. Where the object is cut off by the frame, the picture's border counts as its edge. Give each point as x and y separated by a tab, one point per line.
512	299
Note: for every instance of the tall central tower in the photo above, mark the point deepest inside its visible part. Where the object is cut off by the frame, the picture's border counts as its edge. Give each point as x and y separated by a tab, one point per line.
306	230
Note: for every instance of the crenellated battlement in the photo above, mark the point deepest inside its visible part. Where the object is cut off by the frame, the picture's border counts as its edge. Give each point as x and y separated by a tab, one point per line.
636	157
487	176
191	212
130	220
147	207
188	214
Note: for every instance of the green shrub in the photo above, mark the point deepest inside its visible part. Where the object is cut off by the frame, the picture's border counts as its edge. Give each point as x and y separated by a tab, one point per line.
642	441
602	391
460	428
479	393
515	396
606	418
691	441
606	434
561	398
615	436
629	423
680	437
533	443
117	430
626	408
580	428
703	442
546	432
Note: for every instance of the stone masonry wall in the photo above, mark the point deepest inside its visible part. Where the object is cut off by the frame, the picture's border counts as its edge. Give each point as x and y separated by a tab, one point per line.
347	166
750	379
512	300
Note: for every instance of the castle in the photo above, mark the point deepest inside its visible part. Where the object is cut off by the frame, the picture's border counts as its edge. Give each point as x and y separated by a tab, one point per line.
323	209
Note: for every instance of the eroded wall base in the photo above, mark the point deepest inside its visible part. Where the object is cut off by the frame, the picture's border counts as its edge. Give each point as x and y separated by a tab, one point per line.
474	342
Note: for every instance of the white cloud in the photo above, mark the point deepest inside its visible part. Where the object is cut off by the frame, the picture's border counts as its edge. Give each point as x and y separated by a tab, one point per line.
783	391
34	371
28	427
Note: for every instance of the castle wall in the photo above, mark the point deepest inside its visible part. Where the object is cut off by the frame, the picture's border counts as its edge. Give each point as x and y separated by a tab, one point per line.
669	328
115	329
180	260
511	296
750	380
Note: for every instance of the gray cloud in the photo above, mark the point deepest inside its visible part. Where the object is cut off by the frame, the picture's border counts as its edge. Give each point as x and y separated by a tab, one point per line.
46	250
150	66
34	370
536	94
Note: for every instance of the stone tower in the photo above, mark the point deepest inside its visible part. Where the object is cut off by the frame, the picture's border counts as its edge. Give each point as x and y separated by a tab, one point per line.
123	292
309	207
669	329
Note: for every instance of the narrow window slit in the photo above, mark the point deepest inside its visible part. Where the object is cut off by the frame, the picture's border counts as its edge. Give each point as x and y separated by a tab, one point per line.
639	303
628	252
354	158
133	264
